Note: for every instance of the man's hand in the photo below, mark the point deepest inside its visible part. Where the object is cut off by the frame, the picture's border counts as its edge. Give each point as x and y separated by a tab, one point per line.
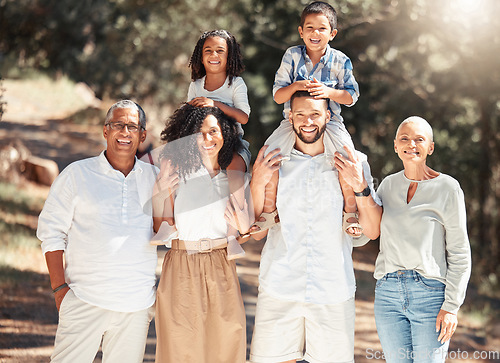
351	170
202	102
446	322
265	166
59	296
318	89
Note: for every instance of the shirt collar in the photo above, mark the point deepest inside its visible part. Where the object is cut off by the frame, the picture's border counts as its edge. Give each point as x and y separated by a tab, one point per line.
107	168
324	59
298	153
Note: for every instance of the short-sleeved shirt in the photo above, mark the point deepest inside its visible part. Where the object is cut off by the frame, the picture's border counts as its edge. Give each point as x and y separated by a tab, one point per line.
234	95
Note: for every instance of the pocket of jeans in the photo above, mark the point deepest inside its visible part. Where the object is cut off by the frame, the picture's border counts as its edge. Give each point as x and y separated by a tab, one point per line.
380	282
431	284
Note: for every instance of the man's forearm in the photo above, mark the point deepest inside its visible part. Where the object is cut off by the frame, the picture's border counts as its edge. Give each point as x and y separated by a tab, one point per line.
55	266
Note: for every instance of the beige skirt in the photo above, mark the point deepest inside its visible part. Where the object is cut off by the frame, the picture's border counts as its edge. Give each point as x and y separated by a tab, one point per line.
200	317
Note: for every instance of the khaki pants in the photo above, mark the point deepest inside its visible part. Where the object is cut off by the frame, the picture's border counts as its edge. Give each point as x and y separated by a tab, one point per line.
82	327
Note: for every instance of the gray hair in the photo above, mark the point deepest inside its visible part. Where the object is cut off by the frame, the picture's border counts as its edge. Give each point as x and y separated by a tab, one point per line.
127	104
417	120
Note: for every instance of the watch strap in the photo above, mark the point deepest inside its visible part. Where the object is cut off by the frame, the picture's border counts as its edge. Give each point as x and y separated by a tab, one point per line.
364	193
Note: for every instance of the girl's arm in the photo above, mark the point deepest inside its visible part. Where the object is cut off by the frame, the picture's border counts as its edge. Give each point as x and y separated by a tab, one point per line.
233	112
264	184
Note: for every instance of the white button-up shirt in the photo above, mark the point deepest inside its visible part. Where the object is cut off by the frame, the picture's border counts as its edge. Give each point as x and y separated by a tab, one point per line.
102	221
307	257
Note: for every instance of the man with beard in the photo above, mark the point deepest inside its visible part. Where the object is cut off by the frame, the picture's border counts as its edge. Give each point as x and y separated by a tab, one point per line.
305	308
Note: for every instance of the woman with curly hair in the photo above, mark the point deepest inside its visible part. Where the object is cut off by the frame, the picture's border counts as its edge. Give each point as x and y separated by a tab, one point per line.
199	309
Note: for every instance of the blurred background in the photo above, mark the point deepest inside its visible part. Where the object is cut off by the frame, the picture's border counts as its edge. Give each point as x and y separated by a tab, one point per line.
63	63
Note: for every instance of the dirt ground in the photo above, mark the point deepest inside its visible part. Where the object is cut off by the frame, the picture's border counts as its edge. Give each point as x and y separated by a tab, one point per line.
28	317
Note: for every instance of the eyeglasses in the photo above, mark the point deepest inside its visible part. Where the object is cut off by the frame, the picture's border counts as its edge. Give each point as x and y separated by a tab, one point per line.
118	126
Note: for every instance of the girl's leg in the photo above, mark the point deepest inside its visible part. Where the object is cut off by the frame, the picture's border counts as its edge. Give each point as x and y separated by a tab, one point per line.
283	138
236	177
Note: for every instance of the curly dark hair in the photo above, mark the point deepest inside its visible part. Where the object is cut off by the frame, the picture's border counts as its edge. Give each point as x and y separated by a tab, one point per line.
186	121
234	58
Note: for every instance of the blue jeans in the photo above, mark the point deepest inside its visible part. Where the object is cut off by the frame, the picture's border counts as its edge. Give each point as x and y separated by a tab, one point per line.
406	308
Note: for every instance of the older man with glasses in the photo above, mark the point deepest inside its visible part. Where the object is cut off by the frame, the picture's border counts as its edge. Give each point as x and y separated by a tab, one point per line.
98	216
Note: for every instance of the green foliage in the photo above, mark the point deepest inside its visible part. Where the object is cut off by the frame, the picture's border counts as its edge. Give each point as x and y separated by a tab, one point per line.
2	102
411	57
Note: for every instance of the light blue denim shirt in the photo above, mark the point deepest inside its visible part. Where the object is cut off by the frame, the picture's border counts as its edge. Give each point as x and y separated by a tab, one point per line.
334	70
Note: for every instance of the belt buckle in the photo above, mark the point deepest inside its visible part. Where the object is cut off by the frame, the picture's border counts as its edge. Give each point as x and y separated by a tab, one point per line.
205	245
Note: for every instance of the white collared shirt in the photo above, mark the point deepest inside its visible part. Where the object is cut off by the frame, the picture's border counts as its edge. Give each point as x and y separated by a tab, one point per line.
102	221
307	257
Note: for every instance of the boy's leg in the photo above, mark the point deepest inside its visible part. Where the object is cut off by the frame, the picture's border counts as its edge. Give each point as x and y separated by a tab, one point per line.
350	207
336	137
283	138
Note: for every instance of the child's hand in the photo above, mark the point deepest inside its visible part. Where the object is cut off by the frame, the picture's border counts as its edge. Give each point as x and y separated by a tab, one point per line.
318	89
301	85
202	102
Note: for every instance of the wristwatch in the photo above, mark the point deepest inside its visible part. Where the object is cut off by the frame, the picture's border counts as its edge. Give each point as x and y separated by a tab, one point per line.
364	193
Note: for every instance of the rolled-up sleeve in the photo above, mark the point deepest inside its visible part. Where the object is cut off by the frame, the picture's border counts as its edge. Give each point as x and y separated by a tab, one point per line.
458	254
347	82
284	74
56	217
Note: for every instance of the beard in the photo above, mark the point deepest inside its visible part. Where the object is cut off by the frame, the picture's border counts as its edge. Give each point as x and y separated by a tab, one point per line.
308	139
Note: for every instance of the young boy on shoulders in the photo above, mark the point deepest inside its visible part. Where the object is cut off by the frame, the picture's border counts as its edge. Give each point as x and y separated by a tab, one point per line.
325	73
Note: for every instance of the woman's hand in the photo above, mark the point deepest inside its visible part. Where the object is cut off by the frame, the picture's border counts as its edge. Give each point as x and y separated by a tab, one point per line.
446	322
168	178
202	102
351	170
265	166
237	217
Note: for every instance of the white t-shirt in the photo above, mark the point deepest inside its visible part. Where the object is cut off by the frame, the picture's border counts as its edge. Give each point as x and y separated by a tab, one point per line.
234	95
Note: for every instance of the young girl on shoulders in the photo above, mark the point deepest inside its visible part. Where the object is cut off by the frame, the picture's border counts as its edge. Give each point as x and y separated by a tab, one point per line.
216	64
